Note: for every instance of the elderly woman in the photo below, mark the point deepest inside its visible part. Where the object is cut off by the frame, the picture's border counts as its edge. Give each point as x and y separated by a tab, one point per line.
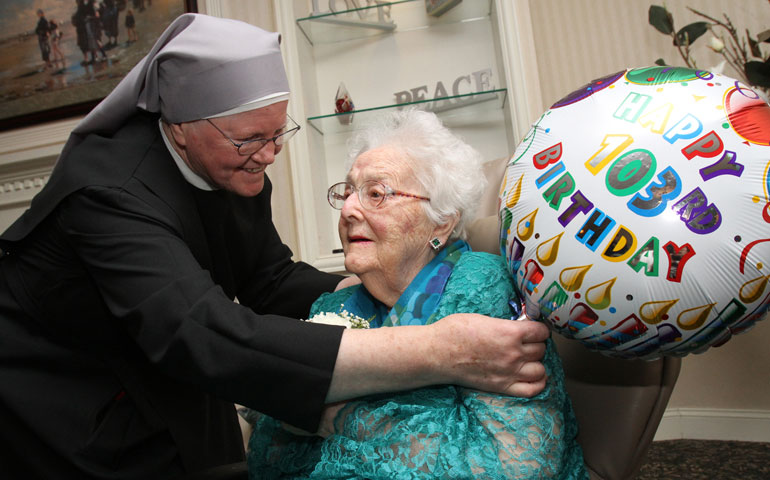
409	194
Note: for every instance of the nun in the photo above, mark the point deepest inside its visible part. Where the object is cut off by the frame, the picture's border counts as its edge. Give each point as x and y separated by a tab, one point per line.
146	289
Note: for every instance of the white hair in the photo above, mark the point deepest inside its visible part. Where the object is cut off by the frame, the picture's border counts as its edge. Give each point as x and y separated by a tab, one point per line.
444	165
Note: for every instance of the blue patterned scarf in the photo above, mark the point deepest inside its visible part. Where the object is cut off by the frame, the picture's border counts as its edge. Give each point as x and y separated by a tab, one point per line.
418	304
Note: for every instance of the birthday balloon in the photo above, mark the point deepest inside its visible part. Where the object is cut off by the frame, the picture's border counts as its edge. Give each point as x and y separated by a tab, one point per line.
636	213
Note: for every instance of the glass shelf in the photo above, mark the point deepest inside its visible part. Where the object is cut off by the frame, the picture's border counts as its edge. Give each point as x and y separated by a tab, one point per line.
469	103
366	21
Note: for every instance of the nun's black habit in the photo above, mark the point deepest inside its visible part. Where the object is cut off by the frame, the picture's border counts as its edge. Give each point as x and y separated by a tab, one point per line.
121	348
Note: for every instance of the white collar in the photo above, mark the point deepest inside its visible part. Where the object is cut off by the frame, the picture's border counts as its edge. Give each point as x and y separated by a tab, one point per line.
192	178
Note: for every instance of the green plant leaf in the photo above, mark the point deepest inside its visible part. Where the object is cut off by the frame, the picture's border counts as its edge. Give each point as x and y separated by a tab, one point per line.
661	19
753	46
758	73
689	33
660	62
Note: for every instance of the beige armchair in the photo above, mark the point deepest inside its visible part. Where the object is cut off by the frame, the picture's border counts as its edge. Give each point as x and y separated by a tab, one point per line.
618	403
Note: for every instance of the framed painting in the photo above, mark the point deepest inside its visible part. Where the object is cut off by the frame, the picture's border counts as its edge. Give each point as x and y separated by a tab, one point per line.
59	58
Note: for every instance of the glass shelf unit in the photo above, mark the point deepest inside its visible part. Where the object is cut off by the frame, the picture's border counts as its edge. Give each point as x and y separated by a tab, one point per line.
444	107
453	65
367	21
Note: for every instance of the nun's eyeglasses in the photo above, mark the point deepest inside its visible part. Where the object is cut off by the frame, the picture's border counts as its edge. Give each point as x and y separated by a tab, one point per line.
250	147
371	194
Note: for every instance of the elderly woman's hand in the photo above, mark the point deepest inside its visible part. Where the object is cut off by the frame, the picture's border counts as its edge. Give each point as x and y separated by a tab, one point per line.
492	354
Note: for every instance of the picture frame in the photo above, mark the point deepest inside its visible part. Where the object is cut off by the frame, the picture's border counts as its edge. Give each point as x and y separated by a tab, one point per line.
88	52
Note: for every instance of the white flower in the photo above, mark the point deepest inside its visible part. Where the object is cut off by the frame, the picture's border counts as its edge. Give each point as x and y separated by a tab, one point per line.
716	44
343	319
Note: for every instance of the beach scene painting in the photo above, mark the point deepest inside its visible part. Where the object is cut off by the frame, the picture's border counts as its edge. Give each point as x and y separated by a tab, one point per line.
59	58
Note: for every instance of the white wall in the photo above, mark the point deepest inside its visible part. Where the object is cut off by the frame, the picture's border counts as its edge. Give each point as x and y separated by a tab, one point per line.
579	40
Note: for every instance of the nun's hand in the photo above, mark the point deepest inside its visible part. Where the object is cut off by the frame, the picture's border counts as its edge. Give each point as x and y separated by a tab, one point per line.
492	354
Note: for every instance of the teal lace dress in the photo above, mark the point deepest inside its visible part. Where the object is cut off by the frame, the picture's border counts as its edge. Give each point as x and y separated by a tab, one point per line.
444	432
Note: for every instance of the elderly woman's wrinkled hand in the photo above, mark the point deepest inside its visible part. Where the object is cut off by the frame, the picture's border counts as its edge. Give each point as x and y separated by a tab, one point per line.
494	355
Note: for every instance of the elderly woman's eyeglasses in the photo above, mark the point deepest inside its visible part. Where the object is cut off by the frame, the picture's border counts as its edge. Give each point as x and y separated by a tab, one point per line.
250	147
371	194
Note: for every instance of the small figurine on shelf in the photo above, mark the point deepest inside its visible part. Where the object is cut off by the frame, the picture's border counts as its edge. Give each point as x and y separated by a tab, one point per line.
436	8
342	104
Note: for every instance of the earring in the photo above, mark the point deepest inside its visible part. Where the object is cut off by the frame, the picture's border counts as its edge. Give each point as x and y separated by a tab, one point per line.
435	243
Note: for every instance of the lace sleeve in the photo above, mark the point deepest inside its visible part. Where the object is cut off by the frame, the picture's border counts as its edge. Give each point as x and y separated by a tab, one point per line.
534	438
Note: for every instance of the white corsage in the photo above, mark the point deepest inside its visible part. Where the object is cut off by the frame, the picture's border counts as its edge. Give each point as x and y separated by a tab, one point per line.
344	319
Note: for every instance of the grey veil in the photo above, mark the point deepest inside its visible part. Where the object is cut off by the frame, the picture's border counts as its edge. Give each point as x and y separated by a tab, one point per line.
200	67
